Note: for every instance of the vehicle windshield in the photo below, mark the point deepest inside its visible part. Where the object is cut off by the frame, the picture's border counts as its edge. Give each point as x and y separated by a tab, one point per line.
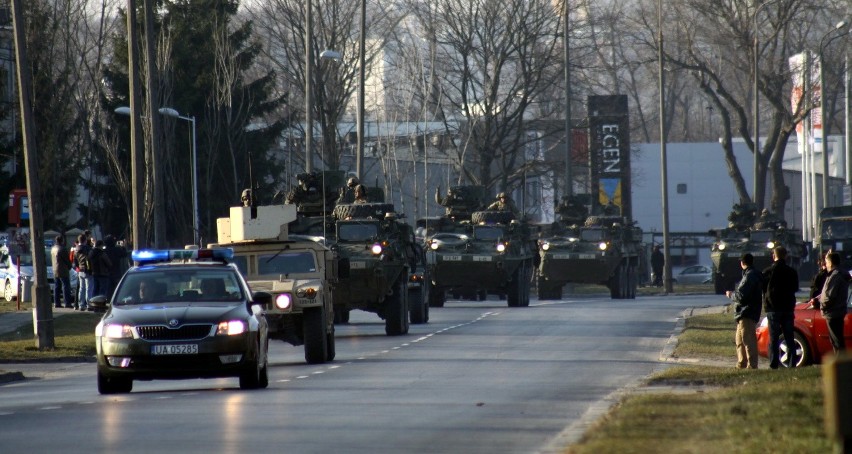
483	232
357	231
592	234
170	285
836	229
762	235
7	260
286	263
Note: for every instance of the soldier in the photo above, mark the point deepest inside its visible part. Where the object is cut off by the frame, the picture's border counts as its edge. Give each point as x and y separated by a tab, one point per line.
768	220
451	202
353	188
504	203
247	198
360	194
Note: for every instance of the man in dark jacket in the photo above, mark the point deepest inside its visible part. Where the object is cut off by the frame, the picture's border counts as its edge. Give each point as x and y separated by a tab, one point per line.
61	262
832	300
747	300
781	282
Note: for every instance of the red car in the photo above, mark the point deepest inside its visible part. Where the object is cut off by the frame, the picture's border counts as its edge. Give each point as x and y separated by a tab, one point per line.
811	333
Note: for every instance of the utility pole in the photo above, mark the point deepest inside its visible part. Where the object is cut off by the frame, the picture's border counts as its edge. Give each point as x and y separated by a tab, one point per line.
154	118
569	189
137	144
41	296
664	172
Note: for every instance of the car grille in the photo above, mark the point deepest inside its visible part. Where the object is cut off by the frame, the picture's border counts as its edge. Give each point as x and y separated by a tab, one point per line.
185	332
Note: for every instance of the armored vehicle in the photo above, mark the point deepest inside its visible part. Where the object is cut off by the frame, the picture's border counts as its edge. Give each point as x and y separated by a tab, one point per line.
381	252
298	272
604	250
755	235
490	254
835	233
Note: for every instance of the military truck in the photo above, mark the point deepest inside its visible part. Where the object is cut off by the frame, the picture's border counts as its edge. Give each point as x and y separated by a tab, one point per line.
748	233
492	253
835	233
298	272
381	252
604	250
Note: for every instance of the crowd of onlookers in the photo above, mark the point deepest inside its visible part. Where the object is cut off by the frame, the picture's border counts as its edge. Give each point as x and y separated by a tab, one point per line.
98	264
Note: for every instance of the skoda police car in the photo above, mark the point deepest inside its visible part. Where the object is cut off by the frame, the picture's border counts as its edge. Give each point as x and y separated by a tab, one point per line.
183	313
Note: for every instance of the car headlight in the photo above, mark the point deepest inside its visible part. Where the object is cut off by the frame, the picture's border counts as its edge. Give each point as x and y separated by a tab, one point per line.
113	331
231	328
770	245
545	246
602	246
376	249
283	301
501	247
433	245
722	246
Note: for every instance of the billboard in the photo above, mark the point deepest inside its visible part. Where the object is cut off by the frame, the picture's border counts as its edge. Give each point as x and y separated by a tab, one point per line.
609	155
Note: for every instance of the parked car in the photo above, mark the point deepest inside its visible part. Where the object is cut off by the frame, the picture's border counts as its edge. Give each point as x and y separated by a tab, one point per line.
695	274
182	314
811	336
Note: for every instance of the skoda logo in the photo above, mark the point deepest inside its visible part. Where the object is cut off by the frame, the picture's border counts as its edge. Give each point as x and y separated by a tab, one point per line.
173	322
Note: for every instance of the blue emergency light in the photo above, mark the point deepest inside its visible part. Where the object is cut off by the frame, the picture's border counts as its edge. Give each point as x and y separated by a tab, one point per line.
165	255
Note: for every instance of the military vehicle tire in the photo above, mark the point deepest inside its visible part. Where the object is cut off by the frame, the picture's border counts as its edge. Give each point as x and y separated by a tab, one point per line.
362	210
316	341
491	217
518	292
718	284
330	349
418	308
396	313
632	282
341	316
437	297
482	295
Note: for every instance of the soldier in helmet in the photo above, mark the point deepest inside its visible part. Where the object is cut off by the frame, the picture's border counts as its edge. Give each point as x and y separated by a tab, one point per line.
247	198
355	191
504	203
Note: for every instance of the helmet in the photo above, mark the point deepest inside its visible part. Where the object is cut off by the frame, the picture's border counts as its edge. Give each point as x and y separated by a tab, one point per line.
352	182
501	195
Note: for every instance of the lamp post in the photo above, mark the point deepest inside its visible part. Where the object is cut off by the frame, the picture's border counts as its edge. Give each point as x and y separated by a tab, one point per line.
359	156
169	112
566	52
823	125
759	203
664	178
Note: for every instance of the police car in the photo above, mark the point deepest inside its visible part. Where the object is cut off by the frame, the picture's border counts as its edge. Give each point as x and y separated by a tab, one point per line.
184	313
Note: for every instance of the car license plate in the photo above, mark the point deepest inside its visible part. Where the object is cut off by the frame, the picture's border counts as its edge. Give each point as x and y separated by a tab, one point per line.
587	256
481	258
758	254
451	258
561	256
357	265
176	349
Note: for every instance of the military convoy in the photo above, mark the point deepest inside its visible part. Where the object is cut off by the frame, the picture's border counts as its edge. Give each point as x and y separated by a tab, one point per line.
581	249
474	252
749	233
300	274
835	233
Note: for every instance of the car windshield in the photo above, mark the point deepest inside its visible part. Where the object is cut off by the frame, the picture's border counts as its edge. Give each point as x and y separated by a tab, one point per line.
836	229
592	235
762	235
481	232
185	284
357	231
286	263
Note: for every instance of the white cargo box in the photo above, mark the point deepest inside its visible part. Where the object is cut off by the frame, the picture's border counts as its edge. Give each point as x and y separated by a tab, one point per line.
268	222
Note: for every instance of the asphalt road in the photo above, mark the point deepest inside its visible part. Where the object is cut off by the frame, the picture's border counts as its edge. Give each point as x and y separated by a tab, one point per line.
480	377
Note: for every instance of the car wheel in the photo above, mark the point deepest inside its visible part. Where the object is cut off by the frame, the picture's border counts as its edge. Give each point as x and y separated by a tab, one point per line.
114	385
8	294
255	374
803	352
416	305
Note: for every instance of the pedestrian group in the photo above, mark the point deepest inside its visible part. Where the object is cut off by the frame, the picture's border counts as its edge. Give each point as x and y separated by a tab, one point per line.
99	264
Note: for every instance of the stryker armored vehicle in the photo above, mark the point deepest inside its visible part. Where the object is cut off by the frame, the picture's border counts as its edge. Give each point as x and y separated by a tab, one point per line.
756	235
381	252
298	272
315	197
492	253
604	250
835	233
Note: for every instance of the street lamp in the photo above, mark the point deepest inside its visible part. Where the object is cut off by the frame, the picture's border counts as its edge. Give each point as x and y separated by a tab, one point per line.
309	82
822	122
169	112
759	203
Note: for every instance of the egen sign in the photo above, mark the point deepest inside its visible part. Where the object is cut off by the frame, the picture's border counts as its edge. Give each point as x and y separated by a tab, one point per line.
609	155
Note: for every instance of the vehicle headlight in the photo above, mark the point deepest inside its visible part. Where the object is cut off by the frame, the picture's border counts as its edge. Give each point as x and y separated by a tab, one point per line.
602	246
433	246
376	249
501	247
722	246
309	293
770	245
113	331
283	301
545	246
231	328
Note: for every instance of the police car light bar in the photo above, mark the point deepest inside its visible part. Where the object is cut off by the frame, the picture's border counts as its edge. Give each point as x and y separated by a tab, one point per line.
165	255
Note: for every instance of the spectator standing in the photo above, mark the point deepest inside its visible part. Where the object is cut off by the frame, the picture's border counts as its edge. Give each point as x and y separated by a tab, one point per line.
819	279
747	297
781	282
84	276
99	266
118	257
61	263
658	260
832	300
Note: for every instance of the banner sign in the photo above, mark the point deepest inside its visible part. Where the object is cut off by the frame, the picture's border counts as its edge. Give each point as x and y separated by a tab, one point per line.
609	155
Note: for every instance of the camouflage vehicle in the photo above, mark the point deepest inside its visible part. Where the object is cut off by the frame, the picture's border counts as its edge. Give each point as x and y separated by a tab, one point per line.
747	232
492	253
605	250
315	197
835	233
298	272
381	252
